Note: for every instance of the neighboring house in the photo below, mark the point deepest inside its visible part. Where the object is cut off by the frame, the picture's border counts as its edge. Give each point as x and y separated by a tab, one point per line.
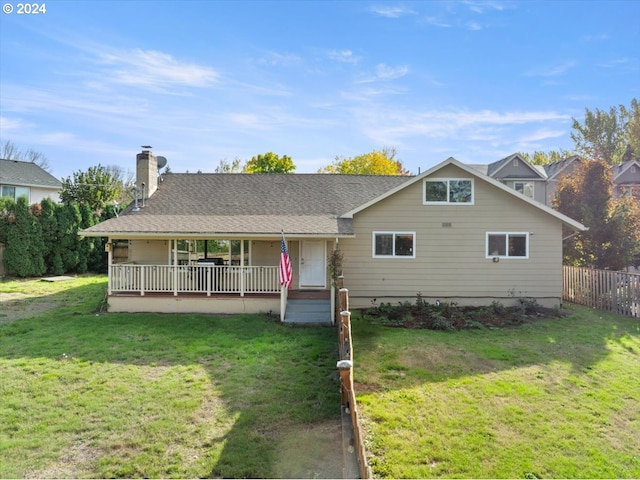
211	242
517	173
26	179
558	170
626	179
540	182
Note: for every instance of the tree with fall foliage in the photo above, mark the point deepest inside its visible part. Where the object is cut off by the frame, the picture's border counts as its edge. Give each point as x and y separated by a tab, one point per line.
376	162
269	163
613	238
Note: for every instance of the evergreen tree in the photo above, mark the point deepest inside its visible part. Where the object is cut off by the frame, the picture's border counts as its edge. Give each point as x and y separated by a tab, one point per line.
24	252
51	237
69	219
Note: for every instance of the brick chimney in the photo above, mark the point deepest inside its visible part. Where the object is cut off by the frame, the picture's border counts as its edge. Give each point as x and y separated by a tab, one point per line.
146	174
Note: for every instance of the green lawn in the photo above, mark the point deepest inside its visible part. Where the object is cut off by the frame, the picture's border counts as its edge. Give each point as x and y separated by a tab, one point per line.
556	398
146	395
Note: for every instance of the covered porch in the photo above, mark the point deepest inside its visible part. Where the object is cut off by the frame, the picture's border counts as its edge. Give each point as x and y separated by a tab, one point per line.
225	276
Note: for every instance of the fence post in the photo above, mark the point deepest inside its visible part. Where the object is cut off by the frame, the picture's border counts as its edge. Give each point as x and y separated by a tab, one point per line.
345	367
343	299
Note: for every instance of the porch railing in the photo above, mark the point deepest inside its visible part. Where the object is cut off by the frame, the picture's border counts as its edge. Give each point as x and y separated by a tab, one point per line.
205	279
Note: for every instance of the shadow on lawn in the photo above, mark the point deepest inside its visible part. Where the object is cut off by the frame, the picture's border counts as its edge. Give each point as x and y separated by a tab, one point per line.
279	383
417	356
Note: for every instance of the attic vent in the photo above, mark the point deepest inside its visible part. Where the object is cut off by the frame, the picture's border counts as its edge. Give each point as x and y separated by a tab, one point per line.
446	224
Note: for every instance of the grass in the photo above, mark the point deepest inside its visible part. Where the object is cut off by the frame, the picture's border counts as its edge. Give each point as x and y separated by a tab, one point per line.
87	394
555	398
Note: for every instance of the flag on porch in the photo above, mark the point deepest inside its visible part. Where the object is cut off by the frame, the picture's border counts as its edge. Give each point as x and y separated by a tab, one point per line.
285	265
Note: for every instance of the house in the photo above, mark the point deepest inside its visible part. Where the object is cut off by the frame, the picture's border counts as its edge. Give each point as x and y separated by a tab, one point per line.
626	179
18	179
517	173
212	242
540	182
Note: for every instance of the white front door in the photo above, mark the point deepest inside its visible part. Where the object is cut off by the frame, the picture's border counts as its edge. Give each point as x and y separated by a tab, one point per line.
313	267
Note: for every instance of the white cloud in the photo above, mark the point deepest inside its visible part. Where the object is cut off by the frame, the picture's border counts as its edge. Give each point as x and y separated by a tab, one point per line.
618	62
482	6
344	56
436	22
551	71
542	134
391	12
281	59
151	68
385	72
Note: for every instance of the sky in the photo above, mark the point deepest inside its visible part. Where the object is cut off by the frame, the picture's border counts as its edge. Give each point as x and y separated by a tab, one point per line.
90	82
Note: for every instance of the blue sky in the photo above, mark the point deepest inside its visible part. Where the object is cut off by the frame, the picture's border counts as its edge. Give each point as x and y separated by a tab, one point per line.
89	82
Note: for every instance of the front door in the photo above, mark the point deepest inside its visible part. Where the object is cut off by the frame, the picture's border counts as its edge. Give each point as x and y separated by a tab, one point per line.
313	267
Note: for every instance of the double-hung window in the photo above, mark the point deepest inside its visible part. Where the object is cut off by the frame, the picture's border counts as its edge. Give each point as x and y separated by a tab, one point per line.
445	191
394	244
525	188
507	245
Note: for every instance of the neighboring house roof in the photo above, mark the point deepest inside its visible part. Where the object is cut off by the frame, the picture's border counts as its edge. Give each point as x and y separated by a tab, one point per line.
554	169
27	174
256	204
191	205
493	169
569	222
619	169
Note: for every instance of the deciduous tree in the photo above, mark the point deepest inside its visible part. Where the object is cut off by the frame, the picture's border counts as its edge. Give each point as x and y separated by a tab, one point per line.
270	163
10	151
613	237
605	135
96	187
376	162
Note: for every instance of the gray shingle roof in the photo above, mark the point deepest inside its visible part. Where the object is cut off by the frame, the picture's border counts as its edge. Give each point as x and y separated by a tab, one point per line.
258	204
28	174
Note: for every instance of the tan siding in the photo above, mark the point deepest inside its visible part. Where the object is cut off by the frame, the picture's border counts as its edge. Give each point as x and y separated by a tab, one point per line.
149	252
450	262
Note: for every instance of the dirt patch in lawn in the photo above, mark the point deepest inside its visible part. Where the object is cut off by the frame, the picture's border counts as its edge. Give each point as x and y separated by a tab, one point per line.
14	306
310	451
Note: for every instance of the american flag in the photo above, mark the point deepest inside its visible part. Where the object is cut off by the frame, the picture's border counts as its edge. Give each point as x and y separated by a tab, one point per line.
285	265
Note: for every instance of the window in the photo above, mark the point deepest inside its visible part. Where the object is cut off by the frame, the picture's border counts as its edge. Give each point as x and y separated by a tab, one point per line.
15	192
394	244
525	188
448	190
507	245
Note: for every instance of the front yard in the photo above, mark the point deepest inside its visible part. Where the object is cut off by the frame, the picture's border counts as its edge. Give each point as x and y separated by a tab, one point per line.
87	394
157	396
554	398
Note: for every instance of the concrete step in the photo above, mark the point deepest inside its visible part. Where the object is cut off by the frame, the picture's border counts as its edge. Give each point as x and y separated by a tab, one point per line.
308	312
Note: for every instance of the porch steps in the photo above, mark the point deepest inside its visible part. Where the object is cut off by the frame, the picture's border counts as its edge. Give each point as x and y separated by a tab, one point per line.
308	312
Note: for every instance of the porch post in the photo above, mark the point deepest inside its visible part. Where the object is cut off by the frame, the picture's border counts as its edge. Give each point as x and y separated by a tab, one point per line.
175	267
109	262
283	302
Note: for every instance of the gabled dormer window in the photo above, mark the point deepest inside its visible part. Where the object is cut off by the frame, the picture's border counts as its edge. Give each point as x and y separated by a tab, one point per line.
445	191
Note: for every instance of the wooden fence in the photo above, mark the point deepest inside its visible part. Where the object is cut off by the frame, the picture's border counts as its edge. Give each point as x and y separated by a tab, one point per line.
617	292
348	397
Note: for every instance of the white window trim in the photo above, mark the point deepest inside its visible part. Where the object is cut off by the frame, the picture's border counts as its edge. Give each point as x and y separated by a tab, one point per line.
533	187
447	202
394	233
507	257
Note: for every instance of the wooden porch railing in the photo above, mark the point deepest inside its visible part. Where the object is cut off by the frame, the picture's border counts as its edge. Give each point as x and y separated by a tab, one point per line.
206	279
